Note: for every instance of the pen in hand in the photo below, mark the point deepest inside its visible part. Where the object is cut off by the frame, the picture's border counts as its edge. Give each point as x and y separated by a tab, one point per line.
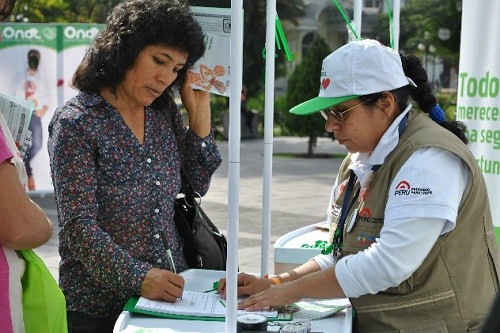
171	261
169	252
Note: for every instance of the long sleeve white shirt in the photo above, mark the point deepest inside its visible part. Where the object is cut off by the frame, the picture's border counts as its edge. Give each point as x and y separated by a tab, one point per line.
411	227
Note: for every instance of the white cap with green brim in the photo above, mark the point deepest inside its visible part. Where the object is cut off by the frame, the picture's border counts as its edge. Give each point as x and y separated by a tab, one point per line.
358	68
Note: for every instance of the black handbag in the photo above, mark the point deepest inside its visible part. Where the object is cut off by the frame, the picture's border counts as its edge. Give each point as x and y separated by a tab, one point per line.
204	246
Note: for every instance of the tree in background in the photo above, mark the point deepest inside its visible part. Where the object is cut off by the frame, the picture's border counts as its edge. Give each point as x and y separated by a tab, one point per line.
95	11
255	37
303	84
421	22
74	11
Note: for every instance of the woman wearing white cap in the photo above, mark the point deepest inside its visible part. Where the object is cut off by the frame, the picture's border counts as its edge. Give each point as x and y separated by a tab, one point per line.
411	227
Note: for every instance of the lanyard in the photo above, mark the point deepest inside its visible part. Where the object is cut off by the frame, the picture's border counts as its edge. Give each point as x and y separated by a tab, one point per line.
347	203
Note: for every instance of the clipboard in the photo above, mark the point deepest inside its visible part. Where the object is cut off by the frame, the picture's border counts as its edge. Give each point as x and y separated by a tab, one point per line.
131	303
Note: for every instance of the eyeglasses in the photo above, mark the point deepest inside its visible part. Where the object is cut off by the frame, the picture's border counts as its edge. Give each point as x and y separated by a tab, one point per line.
339	115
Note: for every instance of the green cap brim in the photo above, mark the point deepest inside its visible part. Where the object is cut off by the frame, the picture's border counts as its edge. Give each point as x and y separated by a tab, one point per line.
319	103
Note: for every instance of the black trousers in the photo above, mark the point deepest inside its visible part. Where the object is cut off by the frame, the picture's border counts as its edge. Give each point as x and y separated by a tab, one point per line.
82	323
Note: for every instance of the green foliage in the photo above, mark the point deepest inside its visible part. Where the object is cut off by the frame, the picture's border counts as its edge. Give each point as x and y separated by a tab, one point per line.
219	105
280	112
96	11
63	11
257	102
254	37
303	84
420	23
448	102
39	11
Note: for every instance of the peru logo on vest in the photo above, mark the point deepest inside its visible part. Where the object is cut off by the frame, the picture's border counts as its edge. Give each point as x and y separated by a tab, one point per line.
404	188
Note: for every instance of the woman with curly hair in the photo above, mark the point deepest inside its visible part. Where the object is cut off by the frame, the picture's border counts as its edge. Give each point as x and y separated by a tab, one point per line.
116	151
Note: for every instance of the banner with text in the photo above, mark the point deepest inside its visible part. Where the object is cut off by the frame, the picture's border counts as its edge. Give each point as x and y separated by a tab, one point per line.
478	94
38	62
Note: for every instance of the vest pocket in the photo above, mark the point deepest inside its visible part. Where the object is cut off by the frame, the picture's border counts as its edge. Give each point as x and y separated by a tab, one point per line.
474	328
436	327
493	256
410	314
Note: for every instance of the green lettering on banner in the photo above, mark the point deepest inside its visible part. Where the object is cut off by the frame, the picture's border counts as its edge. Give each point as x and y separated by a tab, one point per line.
486	86
478	92
33	34
478	113
488	166
79	34
57	36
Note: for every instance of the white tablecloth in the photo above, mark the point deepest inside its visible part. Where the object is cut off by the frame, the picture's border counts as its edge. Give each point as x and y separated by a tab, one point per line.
199	280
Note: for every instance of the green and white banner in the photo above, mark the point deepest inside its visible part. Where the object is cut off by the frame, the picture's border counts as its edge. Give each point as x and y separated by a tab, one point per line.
38	62
73	41
478	94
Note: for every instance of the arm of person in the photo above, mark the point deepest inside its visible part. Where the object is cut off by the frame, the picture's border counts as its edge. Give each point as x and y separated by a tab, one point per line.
400	250
163	285
412	224
200	156
319	284
24	225
197	104
40	112
249	284
403	244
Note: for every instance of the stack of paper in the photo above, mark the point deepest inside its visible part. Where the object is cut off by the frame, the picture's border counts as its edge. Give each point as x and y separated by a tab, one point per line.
313	309
194	304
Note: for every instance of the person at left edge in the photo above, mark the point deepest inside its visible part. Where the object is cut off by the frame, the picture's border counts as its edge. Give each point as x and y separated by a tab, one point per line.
30	85
23	224
116	150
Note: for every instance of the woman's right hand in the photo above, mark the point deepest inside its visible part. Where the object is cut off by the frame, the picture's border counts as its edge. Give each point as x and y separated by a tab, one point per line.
162	285
247	285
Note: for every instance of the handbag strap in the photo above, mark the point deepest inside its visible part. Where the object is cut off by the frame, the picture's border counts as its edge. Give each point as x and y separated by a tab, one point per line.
186	184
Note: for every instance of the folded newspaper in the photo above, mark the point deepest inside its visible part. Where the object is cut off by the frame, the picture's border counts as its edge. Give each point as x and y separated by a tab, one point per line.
17	116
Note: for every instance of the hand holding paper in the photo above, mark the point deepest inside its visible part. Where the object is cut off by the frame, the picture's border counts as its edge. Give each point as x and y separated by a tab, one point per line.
194	304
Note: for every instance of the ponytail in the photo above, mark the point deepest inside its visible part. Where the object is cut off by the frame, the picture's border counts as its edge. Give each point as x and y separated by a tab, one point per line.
427	102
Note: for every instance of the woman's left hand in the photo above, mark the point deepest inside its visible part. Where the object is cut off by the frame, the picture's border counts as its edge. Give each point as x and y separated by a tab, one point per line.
282	294
197	104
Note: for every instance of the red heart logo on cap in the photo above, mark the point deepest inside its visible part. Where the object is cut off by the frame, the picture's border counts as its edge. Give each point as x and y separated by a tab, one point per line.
325	83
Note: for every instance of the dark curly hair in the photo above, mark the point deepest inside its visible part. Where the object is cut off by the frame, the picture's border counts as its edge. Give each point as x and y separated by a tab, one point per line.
131	26
6	9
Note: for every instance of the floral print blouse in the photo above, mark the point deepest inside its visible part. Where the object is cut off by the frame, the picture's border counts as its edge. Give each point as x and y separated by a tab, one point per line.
115	196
